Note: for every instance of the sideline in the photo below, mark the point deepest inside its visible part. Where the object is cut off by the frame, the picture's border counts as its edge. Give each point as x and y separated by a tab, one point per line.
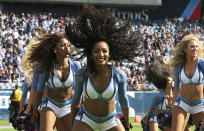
2	127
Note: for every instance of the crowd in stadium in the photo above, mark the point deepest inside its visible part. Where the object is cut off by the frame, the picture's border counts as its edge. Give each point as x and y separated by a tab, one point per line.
159	39
77	71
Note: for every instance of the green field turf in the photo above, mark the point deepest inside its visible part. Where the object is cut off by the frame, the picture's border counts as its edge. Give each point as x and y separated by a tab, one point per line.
4	123
136	126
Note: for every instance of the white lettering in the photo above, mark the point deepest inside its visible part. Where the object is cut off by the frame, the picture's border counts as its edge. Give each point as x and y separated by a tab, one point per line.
145	15
133	15
130	15
123	15
118	13
137	16
113	12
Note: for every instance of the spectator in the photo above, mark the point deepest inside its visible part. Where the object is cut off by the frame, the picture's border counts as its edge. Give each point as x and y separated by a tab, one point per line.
159	38
15	100
3	77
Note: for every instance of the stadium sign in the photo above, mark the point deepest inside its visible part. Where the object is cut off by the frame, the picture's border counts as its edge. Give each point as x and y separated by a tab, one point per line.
186	9
4	99
133	15
97	2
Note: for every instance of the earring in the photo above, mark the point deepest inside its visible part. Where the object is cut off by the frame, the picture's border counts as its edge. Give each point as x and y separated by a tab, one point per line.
55	51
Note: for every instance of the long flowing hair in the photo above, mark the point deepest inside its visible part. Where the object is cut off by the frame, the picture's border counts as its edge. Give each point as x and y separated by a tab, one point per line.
95	25
27	66
157	73
43	54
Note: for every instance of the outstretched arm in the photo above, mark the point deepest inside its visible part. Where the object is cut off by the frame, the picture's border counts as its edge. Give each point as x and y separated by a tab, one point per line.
176	84
148	115
21	105
33	89
123	99
40	88
30	101
23	97
76	100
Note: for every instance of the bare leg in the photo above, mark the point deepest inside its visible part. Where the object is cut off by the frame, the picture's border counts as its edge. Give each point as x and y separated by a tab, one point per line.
66	122
81	126
186	121
59	125
47	119
202	126
166	128
188	128
118	128
197	118
178	118
153	126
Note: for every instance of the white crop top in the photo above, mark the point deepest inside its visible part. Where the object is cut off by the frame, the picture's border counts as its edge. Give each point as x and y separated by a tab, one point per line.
91	92
196	79
55	82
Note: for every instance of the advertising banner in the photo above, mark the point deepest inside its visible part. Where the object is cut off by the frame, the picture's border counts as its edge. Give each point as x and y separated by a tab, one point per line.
4	99
4	102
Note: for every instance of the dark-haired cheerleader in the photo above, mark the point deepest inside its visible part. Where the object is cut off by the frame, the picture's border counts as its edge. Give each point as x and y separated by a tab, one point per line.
57	72
159	115
102	38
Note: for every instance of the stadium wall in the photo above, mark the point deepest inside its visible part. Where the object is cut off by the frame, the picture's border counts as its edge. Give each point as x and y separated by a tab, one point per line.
139	103
1	7
190	9
97	2
202	10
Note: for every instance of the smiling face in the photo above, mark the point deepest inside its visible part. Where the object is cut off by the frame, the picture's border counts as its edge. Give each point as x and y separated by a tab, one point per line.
100	53
63	48
192	49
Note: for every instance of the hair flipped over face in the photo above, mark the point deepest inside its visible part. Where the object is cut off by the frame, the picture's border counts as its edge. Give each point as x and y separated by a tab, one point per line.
157	73
95	25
